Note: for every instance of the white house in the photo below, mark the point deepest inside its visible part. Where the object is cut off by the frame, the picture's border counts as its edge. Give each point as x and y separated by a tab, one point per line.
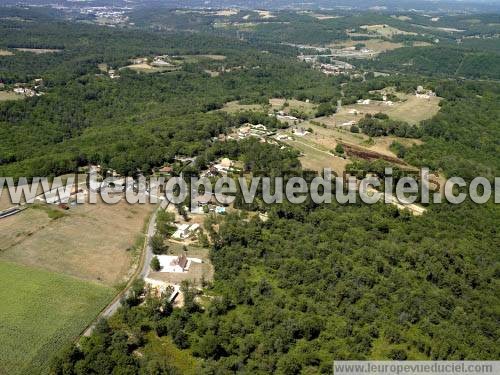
174	264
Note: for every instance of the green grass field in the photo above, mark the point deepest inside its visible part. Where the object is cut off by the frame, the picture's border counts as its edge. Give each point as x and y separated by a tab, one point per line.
40	312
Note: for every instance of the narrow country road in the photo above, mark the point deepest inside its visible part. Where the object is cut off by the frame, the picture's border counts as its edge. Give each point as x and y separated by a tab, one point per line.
142	269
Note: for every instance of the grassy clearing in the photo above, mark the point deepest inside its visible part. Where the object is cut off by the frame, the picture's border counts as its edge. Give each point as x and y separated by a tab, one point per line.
402	18
413	109
265	14
385	30
41	312
410	109
377	45
235	107
91	242
7	95
38	51
103	67
163	347
323	17
227	12
195	59
289	105
146	68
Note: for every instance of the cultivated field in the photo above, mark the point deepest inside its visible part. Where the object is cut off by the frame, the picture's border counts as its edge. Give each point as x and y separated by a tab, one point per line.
91	242
40	313
7	95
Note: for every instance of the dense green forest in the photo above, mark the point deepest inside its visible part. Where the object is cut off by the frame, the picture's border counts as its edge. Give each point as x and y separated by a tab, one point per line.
347	282
316	283
312	283
86	117
440	61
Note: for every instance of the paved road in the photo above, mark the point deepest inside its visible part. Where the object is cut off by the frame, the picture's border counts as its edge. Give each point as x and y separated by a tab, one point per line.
143	271
143	268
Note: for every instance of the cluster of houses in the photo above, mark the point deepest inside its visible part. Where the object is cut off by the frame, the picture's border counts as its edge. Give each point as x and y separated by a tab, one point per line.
109	16
424	94
282	116
352	52
251	130
161	61
364	101
389	103
29	90
336	68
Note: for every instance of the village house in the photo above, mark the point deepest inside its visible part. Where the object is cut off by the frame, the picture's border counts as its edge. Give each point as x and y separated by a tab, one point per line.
165	170
282	116
424	94
160	61
300	132
174	264
364	101
112	74
24	91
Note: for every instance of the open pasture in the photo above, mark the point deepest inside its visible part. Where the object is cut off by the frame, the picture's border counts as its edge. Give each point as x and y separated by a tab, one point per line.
90	241
410	109
377	45
289	105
